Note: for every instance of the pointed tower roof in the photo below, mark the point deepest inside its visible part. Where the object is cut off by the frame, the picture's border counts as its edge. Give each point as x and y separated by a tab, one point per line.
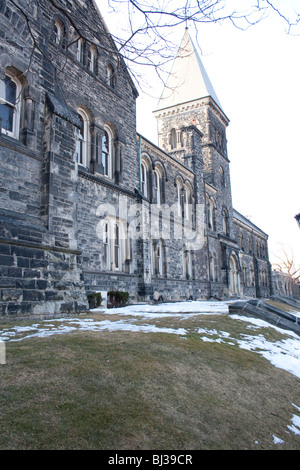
188	80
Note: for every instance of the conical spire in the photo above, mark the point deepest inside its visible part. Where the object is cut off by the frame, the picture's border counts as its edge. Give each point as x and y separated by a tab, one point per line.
188	80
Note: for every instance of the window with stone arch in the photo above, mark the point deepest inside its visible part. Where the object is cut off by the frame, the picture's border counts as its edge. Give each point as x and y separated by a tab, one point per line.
92	58
59	32
80	50
187	263
145	165
222	176
213	268
173	139
157	257
225	221
179	188
10	105
157	186
116	248
187	202
83	138
107	152
110	75
211	213
106	245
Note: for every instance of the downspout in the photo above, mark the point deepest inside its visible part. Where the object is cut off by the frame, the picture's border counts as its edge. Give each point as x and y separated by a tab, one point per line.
140	162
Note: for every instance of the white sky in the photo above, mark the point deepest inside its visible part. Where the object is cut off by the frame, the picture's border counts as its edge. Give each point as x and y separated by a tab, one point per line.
256	75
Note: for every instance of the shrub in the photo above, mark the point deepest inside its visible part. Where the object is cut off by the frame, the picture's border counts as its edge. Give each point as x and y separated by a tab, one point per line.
117	298
95	299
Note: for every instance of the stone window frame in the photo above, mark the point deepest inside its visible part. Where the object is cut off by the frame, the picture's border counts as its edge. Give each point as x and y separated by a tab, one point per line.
213	266
107	153
80	44
146	175
110	75
157	257
222	177
83	145
59	30
187	263
225	221
117	252
15	106
92	58
211	212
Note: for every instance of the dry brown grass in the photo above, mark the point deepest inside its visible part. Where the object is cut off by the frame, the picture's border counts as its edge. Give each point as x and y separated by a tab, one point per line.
126	390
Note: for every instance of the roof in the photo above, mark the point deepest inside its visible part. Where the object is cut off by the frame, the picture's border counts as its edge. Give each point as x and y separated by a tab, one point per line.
188	79
241	218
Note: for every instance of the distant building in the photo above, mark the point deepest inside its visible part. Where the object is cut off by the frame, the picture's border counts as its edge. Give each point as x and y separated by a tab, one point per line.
86	203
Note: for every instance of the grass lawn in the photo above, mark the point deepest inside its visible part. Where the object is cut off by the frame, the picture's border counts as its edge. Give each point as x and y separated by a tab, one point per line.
137	390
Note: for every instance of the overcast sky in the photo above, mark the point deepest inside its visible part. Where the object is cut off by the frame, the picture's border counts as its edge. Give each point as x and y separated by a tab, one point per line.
256	75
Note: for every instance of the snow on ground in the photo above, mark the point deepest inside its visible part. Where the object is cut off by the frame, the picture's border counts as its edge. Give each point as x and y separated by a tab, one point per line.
284	354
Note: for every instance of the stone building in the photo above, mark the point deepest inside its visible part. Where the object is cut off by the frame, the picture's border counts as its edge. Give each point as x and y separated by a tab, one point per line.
86	203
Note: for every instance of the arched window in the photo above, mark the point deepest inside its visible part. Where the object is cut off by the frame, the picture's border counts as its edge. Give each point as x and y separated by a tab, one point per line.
83	139
225	222
251	275
222	176
187	263
92	58
107	152
245	275
173	139
157	257
80	50
187	205
211	213
117	247
106	245
144	179
110	76
234	275
157	187
179	187
59	32
10	90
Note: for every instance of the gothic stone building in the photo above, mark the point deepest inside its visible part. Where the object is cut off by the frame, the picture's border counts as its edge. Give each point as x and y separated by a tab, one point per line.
86	203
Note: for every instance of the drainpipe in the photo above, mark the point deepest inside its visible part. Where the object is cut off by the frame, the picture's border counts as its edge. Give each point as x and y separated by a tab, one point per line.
140	161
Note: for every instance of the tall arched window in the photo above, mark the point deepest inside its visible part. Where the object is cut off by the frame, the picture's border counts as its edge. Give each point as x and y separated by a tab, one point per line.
179	187
59	32
157	257
222	176
10	90
92	58
187	263
234	275
157	187
144	179
107	152
106	245
225	222
82	139
117	247
211	213
110	76
80	50
173	139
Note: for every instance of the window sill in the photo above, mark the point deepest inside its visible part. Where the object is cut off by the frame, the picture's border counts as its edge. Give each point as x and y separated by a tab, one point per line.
14	144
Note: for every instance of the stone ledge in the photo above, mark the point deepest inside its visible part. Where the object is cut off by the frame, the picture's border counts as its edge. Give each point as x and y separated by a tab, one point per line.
267	312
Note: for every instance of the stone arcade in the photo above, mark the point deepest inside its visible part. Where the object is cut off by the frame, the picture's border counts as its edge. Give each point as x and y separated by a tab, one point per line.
87	204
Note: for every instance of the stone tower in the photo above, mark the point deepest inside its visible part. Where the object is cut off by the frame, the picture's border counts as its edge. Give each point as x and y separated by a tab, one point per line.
189	101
